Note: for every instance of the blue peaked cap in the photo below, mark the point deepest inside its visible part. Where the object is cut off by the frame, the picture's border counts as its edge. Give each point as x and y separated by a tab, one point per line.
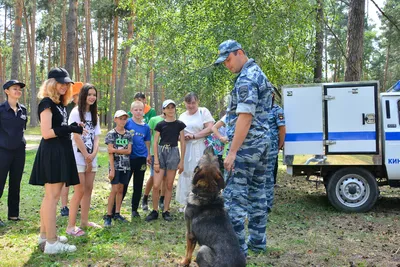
225	48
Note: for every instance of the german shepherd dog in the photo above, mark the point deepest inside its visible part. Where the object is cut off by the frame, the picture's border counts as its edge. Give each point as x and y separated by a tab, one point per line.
207	222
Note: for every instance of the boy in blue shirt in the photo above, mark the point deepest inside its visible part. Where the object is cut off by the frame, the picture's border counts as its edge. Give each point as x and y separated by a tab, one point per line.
140	155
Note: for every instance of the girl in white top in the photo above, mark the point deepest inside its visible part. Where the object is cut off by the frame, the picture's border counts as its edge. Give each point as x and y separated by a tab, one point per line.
85	151
199	122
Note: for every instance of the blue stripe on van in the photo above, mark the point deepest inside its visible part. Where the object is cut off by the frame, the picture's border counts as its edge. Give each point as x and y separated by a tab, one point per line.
392	136
342	136
337	136
303	137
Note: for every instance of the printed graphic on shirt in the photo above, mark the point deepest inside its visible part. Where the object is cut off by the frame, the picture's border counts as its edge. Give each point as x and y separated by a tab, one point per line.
135	133
64	114
119	141
88	139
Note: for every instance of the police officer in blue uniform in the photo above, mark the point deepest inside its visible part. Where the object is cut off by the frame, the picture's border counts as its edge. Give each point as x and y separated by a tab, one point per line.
277	131
247	131
13	119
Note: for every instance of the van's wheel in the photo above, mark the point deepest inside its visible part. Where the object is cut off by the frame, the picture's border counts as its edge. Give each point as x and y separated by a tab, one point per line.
352	190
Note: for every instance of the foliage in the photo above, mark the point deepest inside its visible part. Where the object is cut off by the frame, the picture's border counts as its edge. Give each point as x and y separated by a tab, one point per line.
391	36
100	75
178	41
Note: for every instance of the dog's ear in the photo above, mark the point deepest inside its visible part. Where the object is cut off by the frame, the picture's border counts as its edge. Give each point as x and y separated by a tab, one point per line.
196	175
196	169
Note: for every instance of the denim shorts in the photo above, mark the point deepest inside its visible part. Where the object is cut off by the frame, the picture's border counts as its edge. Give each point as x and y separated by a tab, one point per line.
169	157
121	177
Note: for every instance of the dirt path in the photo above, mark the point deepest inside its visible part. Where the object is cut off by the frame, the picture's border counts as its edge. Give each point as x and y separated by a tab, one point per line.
33	140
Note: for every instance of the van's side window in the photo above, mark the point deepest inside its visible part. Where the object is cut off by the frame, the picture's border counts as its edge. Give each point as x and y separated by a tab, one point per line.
398	110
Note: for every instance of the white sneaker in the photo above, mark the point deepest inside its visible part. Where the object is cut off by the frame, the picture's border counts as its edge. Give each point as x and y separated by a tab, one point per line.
61	238
58	247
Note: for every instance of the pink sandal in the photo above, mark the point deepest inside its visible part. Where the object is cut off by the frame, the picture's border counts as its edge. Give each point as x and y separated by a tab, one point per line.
75	232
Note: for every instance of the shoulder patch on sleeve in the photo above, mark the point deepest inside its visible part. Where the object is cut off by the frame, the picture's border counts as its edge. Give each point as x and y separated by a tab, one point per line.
281	116
243	92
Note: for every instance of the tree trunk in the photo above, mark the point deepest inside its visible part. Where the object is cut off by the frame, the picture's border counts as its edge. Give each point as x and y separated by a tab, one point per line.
99	29
326	56
71	37
32	61
76	54
125	57
110	42
63	35
319	42
114	70
17	40
88	40
50	34
355	40
385	74
82	38
1	78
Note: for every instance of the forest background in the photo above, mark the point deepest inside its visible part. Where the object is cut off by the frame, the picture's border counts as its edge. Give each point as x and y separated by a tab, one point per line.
166	48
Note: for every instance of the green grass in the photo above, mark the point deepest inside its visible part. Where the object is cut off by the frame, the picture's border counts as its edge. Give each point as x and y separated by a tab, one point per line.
303	230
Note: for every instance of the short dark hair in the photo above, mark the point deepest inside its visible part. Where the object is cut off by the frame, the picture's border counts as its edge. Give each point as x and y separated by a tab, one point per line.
190	96
139	95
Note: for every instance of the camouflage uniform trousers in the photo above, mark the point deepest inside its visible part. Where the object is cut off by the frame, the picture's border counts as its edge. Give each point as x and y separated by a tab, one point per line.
269	182
245	196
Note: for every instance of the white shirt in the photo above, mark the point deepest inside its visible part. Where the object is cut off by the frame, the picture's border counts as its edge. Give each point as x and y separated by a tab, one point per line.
88	139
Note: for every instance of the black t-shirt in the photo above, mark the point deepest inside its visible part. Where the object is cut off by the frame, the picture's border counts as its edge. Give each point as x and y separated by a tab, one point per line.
59	117
169	132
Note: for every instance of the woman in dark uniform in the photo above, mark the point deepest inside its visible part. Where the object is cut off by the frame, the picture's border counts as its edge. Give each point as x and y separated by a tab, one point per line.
12	145
55	162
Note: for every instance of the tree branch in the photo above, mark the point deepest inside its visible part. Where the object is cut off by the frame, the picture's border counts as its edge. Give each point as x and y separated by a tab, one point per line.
386	16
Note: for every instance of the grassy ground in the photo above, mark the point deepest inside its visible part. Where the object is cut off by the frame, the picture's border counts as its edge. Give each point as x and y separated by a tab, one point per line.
303	230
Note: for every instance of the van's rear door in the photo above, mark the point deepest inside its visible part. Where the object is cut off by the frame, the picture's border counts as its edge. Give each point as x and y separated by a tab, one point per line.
351	118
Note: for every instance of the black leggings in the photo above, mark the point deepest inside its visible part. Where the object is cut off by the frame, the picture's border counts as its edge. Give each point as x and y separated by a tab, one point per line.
138	169
12	163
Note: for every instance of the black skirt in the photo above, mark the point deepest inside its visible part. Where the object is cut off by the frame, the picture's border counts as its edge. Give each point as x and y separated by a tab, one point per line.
54	163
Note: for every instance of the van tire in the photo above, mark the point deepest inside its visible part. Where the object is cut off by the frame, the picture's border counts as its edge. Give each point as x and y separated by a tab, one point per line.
352	190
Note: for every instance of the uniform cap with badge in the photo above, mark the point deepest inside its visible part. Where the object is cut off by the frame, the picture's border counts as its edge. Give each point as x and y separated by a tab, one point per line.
225	48
10	83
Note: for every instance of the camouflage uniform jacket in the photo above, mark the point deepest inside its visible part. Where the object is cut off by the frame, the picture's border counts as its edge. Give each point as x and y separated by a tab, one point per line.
275	120
252	94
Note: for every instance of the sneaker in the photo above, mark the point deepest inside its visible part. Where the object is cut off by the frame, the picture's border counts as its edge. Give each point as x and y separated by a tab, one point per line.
135	214
58	247
61	238
167	216
145	205
152	216
64	211
107	221
119	217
